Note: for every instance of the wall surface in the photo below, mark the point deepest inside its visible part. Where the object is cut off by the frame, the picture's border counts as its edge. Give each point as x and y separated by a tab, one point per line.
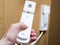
1	17
54	29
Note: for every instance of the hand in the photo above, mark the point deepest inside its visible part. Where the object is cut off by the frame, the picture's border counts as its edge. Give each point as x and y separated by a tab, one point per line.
11	35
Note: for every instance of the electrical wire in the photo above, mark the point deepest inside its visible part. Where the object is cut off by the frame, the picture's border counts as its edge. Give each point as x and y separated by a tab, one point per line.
37	39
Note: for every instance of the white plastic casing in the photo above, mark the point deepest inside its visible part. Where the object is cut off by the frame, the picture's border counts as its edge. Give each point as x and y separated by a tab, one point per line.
24	35
45	11
29	6
27	19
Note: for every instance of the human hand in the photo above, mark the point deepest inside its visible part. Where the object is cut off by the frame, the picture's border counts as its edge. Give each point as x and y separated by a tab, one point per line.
13	31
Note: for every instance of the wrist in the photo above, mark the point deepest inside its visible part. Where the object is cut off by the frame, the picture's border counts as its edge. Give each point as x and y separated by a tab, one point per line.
5	41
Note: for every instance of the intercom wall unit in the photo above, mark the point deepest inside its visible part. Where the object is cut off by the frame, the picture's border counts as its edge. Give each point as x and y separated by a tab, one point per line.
45	11
44	15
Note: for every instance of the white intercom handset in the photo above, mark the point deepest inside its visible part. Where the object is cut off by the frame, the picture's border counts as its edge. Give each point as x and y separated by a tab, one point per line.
27	18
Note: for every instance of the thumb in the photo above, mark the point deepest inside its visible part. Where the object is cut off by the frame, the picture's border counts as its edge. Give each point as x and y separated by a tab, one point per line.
22	26
18	26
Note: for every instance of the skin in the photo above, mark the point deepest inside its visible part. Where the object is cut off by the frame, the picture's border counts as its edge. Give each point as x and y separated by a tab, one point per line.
10	37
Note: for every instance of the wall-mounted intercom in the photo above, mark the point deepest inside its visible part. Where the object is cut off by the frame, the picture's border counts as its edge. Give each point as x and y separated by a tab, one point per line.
27	18
45	11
